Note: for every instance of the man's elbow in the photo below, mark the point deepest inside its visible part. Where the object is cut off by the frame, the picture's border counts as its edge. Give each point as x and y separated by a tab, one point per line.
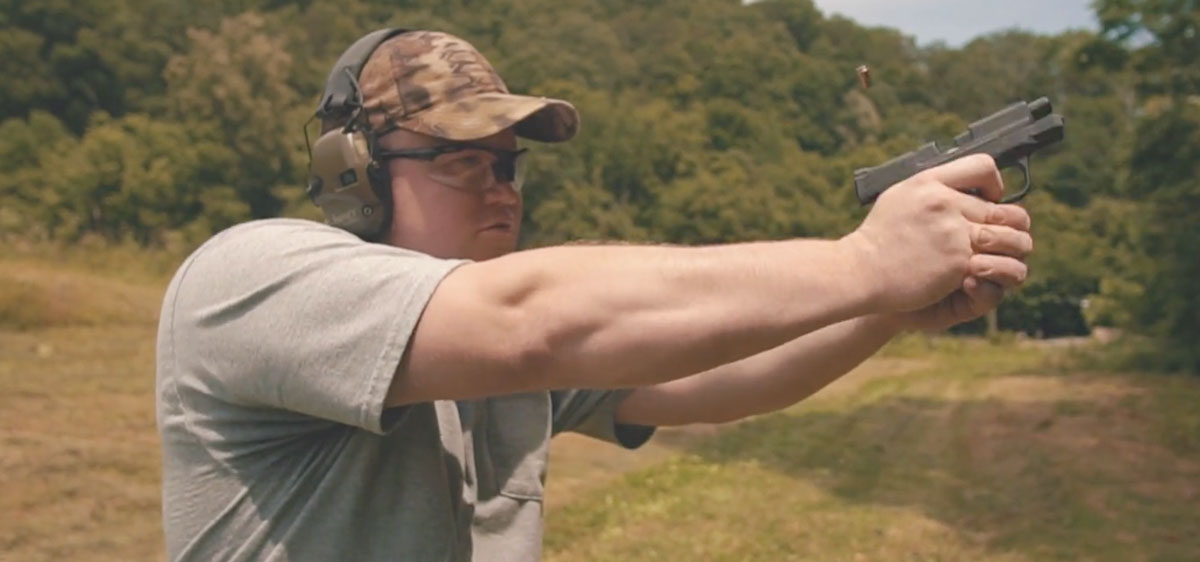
527	356
472	342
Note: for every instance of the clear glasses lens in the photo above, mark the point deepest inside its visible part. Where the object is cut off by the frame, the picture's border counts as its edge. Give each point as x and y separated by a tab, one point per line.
475	170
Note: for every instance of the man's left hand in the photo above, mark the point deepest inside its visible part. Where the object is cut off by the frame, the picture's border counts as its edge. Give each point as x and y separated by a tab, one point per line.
1006	234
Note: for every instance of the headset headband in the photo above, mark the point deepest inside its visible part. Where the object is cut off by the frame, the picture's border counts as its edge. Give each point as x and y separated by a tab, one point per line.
342	95
344	180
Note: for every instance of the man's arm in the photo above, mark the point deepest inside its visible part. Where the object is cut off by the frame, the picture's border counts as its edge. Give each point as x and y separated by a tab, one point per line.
765	382
621	316
627	316
780	377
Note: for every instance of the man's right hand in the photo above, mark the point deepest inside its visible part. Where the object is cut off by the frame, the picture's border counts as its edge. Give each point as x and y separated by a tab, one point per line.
925	236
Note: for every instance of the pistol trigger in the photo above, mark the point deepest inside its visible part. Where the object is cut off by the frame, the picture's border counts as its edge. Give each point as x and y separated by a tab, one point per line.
1023	164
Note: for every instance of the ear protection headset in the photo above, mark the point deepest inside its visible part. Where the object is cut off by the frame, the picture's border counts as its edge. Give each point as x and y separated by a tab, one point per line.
350	187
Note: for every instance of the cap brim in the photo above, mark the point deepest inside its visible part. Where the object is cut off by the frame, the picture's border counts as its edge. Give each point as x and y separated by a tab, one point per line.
536	118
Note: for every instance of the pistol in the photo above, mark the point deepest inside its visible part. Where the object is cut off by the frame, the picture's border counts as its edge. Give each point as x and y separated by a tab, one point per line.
1010	136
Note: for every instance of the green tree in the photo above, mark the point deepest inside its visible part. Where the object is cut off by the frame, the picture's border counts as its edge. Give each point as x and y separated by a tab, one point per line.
231	88
1162	38
137	179
24	143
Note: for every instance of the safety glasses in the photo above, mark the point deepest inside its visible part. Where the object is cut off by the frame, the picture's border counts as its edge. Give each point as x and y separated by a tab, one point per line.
466	167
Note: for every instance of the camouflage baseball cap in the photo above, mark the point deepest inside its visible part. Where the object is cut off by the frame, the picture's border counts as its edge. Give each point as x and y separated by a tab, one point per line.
437	84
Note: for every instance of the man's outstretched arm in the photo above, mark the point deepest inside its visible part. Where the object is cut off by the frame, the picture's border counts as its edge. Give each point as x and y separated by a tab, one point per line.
783	376
621	316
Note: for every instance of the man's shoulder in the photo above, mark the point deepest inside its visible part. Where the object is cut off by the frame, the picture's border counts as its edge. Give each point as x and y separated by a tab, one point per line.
262	237
261	241
276	247
275	230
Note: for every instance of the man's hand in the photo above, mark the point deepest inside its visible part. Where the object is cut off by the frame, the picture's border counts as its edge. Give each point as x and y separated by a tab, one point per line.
979	294
975	299
933	245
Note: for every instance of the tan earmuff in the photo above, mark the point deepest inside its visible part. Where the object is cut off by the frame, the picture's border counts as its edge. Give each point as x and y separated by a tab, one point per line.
344	180
341	183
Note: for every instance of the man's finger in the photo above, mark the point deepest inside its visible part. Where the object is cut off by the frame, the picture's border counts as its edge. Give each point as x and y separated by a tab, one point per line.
1012	216
1001	240
976	173
983	295
1005	271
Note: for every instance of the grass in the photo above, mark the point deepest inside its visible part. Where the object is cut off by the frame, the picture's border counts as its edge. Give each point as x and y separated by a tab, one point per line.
983	452
78	449
938	449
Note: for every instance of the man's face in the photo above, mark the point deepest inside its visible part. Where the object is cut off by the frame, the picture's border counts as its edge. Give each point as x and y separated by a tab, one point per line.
477	220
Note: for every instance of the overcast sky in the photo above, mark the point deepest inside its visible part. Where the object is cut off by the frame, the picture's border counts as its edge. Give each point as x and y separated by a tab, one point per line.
957	21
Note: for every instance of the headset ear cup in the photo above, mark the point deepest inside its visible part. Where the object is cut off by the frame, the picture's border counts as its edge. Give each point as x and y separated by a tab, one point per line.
344	186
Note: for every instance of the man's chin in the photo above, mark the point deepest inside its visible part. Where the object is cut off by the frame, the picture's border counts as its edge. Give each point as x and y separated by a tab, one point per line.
493	246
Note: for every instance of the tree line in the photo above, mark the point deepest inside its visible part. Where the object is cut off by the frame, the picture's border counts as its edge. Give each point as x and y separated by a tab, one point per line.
160	122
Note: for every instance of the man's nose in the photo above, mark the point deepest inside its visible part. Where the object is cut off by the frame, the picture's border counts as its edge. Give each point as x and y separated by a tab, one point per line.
500	191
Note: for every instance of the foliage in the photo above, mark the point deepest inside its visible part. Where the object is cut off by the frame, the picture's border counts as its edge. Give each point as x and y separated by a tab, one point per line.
158	123
1160	42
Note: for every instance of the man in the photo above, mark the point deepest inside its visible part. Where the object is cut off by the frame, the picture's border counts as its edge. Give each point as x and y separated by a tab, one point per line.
325	398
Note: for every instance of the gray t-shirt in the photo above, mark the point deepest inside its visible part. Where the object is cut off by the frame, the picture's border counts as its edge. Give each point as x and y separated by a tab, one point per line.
277	343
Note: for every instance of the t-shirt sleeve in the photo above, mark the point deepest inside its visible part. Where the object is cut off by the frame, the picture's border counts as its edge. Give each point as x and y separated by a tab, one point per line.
593	413
299	316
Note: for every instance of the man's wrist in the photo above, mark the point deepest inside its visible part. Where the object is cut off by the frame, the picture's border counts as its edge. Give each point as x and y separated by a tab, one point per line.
863	274
890	324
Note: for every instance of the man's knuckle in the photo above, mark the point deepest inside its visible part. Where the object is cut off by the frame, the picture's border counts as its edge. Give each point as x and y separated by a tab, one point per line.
932	199
984	238
983	159
995	214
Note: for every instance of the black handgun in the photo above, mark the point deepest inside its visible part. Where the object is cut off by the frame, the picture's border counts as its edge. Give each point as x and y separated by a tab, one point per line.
1010	136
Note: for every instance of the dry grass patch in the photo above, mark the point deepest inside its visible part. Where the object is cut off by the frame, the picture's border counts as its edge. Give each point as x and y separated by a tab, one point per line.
78	449
36	295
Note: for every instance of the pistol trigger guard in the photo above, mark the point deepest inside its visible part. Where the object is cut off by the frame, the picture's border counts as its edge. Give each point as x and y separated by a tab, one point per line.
1024	165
